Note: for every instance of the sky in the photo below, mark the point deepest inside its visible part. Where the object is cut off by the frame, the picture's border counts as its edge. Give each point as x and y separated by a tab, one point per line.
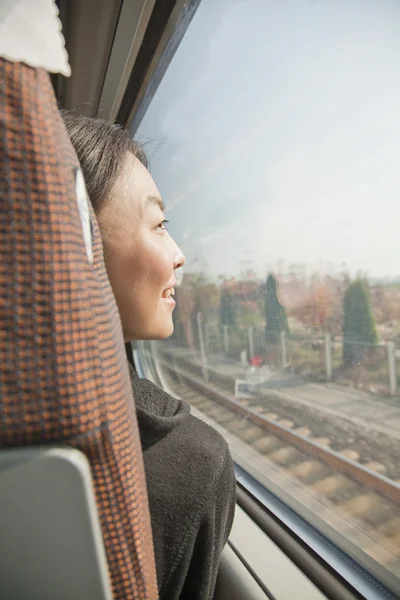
275	136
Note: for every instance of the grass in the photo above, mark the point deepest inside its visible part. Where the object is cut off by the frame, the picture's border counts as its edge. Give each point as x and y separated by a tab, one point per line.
373	372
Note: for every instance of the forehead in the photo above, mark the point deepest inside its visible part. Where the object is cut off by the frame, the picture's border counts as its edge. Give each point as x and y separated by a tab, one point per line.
138	184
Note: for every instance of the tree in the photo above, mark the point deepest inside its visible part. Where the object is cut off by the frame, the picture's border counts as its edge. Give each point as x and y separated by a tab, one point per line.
189	305
226	309
319	309
359	331
274	311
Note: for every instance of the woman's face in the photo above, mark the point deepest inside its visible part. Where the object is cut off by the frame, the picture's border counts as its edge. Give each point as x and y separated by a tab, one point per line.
140	255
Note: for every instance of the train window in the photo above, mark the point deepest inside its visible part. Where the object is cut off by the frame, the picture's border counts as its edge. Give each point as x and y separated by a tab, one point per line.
274	139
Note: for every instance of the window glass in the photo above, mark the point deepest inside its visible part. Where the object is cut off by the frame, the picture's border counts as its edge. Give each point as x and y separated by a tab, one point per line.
274	138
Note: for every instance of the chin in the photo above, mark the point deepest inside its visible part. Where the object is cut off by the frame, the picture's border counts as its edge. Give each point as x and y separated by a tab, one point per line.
163	334
155	333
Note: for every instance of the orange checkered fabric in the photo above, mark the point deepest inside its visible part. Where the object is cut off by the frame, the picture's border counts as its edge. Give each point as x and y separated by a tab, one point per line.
63	369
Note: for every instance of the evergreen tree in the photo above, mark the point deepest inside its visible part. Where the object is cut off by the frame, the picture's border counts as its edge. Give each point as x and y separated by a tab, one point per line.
274	311
227	310
359	331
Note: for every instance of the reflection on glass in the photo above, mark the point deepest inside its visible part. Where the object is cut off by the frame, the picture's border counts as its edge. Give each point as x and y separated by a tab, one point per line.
274	138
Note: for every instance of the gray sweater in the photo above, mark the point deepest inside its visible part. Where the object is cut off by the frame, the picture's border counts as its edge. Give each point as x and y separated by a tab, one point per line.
192	492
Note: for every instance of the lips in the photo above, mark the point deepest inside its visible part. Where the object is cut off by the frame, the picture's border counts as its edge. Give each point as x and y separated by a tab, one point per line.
170	289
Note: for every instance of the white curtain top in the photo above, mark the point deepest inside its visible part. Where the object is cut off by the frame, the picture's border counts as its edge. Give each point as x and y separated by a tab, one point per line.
30	32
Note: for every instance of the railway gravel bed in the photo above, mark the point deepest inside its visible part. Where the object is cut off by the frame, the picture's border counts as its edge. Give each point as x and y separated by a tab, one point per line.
371	448
365	517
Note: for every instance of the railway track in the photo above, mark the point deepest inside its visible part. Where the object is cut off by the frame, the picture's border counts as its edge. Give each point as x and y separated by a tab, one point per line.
359	495
376	451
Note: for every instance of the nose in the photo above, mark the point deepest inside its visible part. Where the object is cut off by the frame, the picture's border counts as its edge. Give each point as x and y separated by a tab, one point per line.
179	257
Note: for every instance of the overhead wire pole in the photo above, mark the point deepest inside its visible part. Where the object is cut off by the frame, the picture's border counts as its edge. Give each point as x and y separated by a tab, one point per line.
391	353
203	356
328	356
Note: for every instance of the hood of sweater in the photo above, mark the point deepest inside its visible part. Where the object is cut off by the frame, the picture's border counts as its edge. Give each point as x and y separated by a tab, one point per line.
157	412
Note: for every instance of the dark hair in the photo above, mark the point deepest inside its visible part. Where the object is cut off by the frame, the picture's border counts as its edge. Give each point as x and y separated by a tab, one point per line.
101	147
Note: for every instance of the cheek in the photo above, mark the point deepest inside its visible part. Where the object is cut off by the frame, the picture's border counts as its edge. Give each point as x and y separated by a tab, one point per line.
143	267
122	264
158	263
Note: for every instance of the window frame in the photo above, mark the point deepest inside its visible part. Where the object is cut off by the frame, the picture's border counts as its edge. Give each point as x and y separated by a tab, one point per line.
167	26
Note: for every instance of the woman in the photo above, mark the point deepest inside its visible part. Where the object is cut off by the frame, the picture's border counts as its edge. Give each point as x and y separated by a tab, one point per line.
189	471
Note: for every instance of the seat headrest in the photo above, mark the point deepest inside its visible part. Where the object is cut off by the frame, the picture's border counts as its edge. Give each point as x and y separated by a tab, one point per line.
63	369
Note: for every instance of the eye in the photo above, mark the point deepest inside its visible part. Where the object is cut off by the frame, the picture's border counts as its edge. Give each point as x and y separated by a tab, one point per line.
162	225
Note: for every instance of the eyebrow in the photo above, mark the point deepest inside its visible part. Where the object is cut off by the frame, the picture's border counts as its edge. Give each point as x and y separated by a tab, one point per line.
156	200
